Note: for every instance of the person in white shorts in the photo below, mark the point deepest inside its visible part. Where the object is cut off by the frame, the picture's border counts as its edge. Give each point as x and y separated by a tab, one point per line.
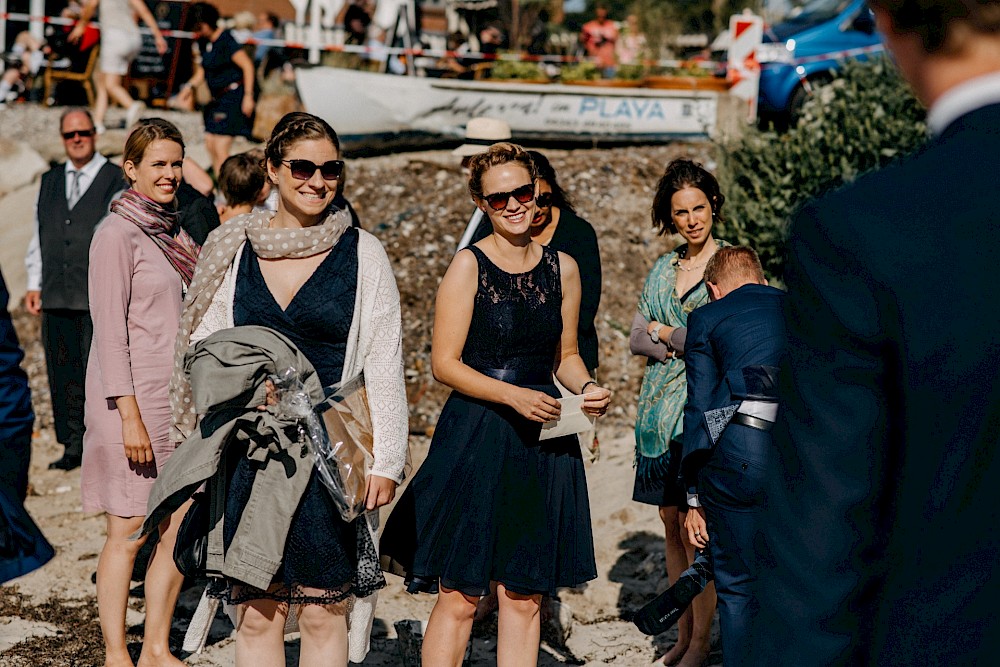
120	44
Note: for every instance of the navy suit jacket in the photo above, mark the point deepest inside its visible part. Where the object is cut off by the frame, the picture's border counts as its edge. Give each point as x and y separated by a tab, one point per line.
883	524
744	328
16	415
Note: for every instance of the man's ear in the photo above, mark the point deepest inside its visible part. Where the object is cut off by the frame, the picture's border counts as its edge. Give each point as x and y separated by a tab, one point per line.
714	291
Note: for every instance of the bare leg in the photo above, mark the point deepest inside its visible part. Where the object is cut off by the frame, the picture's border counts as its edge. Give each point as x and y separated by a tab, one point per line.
163	585
324	635
116	91
260	633
519	630
100	100
218	146
677	562
488	603
448	629
702	609
114	572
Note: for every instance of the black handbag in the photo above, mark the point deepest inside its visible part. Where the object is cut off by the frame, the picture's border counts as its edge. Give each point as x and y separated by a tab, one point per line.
191	547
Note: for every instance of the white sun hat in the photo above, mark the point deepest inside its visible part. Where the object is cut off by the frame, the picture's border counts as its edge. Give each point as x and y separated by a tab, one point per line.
480	134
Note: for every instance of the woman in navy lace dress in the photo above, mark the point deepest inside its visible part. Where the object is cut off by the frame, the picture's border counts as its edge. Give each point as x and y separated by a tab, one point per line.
492	504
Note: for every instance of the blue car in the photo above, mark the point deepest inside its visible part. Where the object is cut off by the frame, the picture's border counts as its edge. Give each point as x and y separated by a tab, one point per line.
807	48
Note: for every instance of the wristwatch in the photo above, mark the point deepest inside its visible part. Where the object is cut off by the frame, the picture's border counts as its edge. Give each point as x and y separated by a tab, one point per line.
654	335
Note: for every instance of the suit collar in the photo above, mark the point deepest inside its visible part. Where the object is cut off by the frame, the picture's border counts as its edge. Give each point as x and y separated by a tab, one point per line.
753	288
964	98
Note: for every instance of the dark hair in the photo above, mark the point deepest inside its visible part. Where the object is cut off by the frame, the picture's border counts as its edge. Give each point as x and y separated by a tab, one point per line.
732	265
546	173
293	128
203	12
496	155
934	20
70	110
679	174
145	132
273	19
241	178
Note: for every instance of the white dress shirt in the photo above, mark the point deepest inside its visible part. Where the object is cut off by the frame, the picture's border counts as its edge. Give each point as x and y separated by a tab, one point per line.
33	259
963	98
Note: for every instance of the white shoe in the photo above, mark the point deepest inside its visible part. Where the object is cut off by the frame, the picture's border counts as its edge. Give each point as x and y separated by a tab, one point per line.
133	114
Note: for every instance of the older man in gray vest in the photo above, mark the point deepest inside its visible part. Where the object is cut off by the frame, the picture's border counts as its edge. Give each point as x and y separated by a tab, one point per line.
73	199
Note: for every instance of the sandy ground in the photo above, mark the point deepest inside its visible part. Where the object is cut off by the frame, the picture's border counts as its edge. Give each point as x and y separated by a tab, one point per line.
49	617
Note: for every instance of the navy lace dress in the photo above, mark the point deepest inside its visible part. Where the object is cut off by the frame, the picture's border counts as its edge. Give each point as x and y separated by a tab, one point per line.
491	502
326	559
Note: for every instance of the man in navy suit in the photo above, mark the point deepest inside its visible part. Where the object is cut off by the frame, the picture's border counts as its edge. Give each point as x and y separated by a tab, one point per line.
882	525
734	345
22	546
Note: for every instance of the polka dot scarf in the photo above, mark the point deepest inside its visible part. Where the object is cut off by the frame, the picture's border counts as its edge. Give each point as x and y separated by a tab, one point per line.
217	256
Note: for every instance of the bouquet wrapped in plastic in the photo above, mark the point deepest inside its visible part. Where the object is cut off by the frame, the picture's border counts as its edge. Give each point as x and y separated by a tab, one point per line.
338	433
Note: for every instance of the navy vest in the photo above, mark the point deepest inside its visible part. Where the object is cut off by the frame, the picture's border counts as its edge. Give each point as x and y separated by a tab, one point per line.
64	235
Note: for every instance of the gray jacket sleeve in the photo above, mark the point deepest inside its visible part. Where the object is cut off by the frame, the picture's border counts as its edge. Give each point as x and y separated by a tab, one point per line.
640	343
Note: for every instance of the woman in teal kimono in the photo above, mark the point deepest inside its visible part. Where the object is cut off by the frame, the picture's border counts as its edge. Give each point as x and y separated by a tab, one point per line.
687	202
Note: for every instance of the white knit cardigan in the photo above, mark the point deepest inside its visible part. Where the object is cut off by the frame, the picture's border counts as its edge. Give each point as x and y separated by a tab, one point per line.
374	347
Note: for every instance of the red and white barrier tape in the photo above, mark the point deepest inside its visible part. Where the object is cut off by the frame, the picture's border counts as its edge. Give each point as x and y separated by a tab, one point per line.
840	55
365	50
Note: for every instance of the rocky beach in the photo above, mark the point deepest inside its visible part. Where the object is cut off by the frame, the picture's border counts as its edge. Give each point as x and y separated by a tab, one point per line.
417	204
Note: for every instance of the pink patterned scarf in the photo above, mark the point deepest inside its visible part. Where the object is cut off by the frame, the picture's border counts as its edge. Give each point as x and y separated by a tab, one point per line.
160	223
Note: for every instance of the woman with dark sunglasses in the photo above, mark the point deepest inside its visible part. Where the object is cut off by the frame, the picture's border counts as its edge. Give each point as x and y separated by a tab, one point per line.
493	505
305	272
556	224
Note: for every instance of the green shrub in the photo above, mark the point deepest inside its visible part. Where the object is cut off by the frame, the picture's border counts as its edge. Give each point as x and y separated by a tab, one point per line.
630	72
513	70
861	121
581	71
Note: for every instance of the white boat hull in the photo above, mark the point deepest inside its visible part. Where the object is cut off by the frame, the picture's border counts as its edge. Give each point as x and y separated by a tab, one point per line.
368	108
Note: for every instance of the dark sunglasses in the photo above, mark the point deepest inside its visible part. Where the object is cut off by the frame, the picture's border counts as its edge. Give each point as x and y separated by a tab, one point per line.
498	200
304	169
544	200
86	134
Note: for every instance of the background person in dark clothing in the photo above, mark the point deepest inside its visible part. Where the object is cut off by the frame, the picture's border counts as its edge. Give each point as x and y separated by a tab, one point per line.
230	75
357	18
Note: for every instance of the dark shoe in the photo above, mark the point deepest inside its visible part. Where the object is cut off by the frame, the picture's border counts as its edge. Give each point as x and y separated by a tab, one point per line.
67	462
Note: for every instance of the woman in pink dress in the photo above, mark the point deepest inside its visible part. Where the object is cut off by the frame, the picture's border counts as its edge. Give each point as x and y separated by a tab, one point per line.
141	262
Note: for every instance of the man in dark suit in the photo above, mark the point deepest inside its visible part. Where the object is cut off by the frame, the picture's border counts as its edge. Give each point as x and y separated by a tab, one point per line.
734	345
72	200
882	524
22	546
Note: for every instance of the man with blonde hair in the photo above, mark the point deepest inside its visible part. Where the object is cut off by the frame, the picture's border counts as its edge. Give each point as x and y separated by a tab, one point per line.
733	347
